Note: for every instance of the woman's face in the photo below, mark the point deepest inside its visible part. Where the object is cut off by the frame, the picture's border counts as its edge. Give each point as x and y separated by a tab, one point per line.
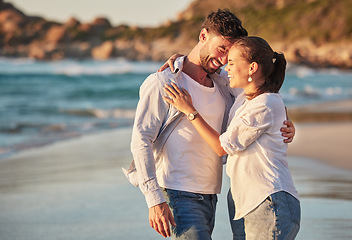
237	68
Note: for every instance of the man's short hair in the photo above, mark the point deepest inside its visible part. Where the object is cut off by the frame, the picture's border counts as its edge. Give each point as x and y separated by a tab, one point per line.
224	23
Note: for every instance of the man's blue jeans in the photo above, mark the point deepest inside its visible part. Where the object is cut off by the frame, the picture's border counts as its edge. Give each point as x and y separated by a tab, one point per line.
278	217
194	214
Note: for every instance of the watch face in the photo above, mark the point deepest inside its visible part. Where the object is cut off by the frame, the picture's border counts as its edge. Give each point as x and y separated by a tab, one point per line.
190	116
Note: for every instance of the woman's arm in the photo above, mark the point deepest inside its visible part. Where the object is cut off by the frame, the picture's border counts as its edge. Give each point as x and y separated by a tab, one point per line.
170	62
242	131
182	100
288	132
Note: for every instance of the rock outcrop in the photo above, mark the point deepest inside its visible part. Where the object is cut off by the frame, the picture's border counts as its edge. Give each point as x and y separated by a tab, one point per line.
104	51
34	37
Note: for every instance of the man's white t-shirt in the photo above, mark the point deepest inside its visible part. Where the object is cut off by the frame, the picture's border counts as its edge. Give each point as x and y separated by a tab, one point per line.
188	163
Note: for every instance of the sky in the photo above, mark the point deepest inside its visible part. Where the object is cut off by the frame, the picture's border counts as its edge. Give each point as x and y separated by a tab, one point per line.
141	13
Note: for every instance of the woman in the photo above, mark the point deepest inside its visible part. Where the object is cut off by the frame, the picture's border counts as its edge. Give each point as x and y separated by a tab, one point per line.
263	202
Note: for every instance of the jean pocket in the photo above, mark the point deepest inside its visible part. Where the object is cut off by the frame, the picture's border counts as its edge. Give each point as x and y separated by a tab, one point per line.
294	207
190	196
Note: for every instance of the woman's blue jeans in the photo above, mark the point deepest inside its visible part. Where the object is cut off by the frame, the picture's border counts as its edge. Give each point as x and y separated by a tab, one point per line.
277	217
194	214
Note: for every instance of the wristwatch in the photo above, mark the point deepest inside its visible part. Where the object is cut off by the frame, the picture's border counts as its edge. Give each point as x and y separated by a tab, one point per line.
191	116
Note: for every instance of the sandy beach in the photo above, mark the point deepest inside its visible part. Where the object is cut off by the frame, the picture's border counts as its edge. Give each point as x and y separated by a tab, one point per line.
322	132
75	189
326	142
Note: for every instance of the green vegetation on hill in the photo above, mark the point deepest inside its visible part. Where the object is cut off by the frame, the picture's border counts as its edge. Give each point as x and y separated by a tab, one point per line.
319	20
313	32
171	30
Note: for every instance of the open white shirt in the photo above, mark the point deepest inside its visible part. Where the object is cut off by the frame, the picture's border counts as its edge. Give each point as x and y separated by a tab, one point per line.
154	121
256	163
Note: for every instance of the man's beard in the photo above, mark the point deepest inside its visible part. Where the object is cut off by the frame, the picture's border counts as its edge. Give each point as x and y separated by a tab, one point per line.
204	60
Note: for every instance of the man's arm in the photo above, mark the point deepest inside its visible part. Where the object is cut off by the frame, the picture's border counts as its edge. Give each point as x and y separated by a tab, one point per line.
289	131
150	114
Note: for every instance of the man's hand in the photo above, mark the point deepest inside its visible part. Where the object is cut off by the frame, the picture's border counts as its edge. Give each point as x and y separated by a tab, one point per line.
159	218
170	62
288	132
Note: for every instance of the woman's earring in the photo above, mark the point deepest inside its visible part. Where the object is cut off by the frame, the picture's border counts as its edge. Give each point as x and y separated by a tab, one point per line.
250	79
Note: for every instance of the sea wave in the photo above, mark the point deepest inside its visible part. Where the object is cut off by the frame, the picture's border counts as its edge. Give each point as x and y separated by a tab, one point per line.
101	113
73	67
305	72
42	102
309	94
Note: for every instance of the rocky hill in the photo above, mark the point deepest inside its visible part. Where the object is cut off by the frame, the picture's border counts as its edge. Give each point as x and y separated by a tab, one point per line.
313	32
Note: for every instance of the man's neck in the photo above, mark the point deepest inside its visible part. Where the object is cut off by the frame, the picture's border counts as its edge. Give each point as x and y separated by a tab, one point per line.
192	68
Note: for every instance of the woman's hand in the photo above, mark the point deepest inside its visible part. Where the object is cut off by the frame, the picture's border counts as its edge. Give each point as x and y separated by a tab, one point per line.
170	63
179	98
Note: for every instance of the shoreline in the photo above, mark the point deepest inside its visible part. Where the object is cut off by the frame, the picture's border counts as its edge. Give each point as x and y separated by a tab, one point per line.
330	111
323	142
78	159
320	127
321	132
75	189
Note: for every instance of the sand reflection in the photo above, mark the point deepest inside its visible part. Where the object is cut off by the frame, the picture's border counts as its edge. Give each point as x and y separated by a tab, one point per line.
326	194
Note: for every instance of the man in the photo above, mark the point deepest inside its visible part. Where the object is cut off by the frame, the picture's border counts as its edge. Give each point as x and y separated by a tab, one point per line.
178	173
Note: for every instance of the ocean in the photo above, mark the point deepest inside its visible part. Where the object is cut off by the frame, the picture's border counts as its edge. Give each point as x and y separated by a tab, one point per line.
73	189
44	102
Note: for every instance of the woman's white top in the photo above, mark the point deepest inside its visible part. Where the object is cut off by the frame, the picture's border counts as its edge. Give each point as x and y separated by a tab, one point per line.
256	163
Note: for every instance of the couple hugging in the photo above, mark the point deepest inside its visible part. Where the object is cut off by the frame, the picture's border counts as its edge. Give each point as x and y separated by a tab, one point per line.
193	116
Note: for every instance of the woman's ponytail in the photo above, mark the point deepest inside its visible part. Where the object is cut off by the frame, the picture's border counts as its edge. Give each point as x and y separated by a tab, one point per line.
277	76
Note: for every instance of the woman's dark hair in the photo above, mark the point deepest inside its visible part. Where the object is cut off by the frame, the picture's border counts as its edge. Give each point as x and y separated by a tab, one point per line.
271	64
224	23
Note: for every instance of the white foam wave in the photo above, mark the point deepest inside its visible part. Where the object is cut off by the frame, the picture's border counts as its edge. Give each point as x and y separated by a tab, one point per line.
102	113
307	91
115	113
305	72
333	91
73	67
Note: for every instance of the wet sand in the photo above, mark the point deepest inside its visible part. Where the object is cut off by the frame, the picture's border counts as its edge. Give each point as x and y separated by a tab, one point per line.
326	142
323	132
76	190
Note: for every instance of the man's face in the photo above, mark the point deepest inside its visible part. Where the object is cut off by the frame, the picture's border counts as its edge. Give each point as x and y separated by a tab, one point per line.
214	52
